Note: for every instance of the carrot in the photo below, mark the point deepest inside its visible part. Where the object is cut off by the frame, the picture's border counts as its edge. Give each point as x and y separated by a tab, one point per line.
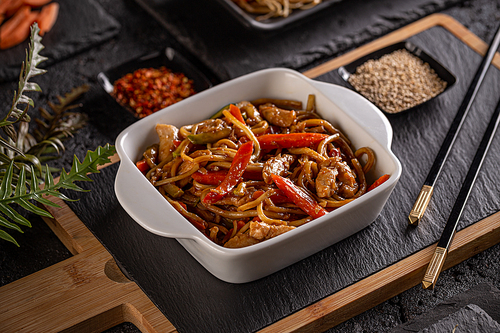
14	6
21	32
47	17
9	28
4	4
36	3
142	166
378	182
236	112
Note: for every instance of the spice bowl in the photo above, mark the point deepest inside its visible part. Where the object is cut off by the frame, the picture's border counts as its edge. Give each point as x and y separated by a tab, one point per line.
397	78
169	58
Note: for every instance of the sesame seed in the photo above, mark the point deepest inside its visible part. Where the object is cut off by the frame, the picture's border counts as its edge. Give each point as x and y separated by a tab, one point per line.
397	81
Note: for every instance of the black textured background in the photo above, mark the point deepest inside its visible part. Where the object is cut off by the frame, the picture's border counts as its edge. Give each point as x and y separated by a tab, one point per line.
80	25
140	34
187	293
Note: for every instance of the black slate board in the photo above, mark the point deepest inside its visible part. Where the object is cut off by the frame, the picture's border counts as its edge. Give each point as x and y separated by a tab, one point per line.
195	301
80	24
223	44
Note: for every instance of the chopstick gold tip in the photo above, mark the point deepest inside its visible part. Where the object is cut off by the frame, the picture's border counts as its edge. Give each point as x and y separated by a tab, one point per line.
434	268
420	204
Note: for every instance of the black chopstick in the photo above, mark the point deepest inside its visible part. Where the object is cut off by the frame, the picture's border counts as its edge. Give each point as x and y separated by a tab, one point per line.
444	243
426	192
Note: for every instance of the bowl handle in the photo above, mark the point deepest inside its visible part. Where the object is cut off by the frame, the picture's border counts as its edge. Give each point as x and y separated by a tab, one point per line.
379	127
154	215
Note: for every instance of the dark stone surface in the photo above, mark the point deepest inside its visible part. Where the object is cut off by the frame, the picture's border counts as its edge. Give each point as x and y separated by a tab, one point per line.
80	25
476	310
140	34
470	319
185	291
232	50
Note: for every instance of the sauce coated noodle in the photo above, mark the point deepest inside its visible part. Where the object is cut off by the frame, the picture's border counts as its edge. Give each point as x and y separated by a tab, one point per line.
256	170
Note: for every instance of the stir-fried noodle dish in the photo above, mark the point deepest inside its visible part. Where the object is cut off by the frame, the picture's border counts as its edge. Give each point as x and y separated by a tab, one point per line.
256	170
274	8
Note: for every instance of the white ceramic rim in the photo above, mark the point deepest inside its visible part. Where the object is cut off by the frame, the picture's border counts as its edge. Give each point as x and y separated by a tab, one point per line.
378	128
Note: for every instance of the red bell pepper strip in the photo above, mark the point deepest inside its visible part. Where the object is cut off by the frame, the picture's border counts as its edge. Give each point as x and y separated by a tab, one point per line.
291	140
277	198
200	225
210	178
378	182
234	174
299	197
216	177
142	165
252	175
236	112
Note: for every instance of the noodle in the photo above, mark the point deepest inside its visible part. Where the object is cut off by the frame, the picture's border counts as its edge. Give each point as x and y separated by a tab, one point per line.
221	173
275	8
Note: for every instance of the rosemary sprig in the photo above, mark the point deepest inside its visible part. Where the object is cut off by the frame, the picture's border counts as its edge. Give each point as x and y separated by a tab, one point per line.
21	171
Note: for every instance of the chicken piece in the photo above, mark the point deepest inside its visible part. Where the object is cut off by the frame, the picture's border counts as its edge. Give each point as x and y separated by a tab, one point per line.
262	231
258	232
349	185
229	199
211	126
277	116
277	165
241	240
326	184
253	116
167	135
335	176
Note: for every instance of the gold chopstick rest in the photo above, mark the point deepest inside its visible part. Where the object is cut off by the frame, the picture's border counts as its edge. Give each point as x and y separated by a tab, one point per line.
434	268
420	204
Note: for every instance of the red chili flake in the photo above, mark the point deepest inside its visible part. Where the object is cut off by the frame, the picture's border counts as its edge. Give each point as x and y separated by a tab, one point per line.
148	90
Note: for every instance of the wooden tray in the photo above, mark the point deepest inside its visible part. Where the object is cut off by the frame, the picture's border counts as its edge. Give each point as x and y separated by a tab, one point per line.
88	293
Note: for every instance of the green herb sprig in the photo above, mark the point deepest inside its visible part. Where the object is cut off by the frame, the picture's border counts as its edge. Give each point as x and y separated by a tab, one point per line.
23	179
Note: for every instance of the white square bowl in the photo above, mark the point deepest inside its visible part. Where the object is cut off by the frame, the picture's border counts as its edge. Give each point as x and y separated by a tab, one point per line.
355	116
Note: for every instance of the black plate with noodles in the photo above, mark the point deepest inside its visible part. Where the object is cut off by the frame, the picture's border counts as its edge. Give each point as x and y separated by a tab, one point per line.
273	14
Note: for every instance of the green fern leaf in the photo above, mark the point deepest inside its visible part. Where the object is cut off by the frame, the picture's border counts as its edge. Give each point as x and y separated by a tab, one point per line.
21	152
22	196
6	186
7	237
21	183
60	195
23	202
5	223
49	180
14	215
43	201
28	70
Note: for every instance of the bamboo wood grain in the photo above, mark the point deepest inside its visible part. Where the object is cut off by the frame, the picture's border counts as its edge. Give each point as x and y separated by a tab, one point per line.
84	293
88	293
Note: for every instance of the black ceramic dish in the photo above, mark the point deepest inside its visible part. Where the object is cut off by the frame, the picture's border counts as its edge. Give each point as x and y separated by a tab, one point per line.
275	23
169	58
346	71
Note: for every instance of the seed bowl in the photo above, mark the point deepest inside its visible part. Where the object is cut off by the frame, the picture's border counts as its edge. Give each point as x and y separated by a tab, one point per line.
354	115
390	81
